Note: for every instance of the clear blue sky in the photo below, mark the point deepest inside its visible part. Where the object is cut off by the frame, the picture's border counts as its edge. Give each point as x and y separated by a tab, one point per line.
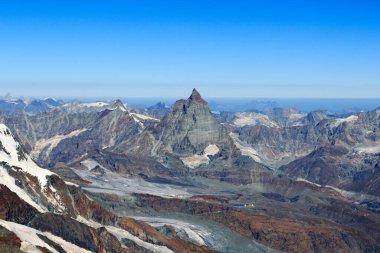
143	48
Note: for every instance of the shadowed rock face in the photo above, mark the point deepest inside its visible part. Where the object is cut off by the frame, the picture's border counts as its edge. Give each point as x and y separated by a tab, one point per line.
9	242
12	208
65	136
189	128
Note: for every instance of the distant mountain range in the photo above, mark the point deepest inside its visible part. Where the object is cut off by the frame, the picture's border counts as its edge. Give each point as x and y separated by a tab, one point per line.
185	178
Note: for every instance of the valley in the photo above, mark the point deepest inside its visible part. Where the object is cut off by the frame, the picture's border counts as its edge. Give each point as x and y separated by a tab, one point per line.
186	179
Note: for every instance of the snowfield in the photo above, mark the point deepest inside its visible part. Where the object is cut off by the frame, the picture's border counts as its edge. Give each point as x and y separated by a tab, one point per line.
11	156
196	160
351	118
252	119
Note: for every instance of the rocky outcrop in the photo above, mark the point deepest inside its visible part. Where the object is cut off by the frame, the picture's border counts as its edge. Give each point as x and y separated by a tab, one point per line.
189	128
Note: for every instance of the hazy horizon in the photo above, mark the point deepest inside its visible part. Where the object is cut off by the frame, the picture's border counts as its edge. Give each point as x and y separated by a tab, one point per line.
147	48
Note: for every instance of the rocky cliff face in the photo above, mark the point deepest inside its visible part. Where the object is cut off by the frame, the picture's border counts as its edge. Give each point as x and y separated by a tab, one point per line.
189	128
349	154
191	135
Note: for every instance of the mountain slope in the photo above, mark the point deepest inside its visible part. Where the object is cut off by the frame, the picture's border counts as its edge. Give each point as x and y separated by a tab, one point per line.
60	213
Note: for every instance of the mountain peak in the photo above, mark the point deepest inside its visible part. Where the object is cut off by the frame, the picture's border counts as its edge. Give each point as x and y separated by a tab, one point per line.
118	104
196	96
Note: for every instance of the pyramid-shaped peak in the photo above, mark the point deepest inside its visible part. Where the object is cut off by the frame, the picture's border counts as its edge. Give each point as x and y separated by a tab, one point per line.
196	96
118	104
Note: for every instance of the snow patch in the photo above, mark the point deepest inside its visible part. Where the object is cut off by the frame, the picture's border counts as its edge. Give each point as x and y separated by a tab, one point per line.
91	164
252	119
197	160
307	181
95	104
372	148
51	143
351	118
142	117
195	233
245	148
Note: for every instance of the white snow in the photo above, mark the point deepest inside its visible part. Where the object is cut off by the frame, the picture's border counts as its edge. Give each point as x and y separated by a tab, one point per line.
67	246
369	148
30	239
9	182
27	165
296	115
51	143
94	104
211	149
245	148
121	233
142	117
307	181
122	108
351	118
253	118
91	164
340	191
70	183
196	233
196	160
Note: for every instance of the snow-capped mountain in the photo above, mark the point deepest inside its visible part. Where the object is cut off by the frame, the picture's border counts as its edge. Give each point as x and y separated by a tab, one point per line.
40	212
10	105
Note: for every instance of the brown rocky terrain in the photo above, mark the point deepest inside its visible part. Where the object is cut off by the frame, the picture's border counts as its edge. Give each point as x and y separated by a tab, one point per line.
289	235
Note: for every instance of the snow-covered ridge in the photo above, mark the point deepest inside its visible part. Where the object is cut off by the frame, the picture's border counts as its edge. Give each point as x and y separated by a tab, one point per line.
95	104
13	154
12	157
121	233
30	239
351	118
142	117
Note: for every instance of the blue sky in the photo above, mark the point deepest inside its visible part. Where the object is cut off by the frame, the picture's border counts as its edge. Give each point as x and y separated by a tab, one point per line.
165	48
